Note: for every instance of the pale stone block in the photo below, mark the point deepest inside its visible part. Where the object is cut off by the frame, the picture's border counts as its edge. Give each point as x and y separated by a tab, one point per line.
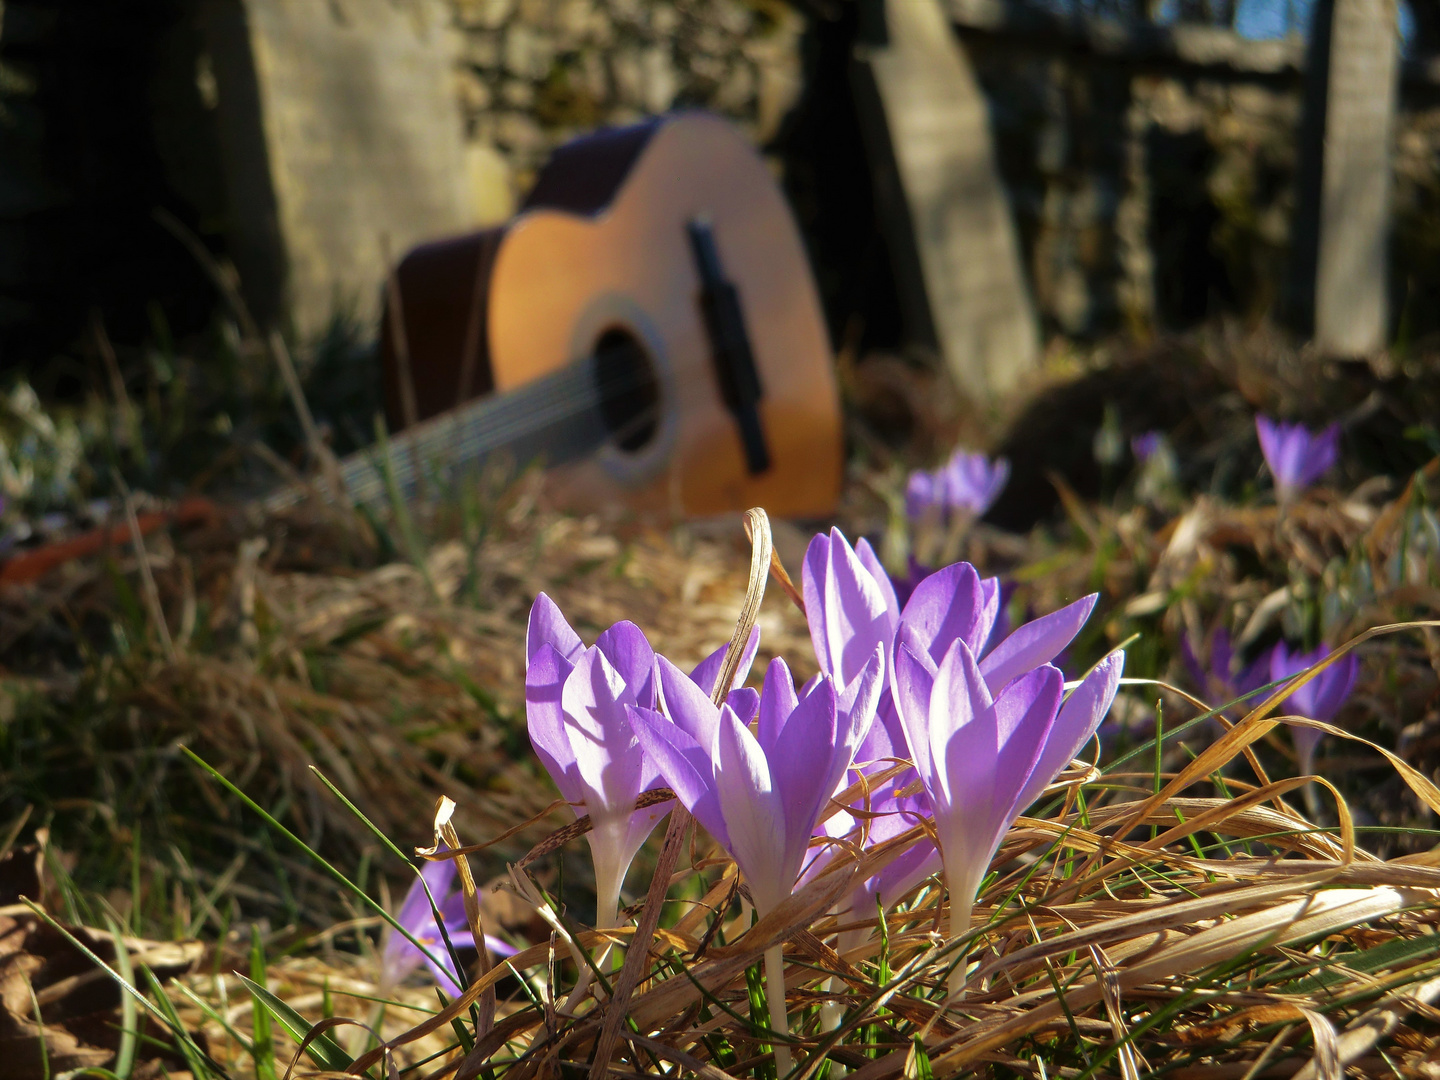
626	69
491	186
341	126
517	93
664	20
475	95
487	14
969	254
658	78
1351	317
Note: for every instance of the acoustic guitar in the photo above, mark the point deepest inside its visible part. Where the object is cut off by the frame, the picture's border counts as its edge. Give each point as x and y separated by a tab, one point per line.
648	320
648	323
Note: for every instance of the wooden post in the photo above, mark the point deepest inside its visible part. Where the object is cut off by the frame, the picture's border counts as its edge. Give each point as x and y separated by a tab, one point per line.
969	256
1351	311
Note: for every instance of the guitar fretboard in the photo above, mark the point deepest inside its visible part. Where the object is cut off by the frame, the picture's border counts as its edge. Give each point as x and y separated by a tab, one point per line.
556	418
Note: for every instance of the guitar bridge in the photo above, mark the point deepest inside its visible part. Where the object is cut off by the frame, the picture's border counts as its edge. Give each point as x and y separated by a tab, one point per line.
730	346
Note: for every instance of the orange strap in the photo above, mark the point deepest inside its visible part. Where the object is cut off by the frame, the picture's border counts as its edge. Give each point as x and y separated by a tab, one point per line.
32	565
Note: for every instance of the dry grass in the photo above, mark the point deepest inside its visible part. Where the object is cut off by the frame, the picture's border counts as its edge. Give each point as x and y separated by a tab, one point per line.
1171	915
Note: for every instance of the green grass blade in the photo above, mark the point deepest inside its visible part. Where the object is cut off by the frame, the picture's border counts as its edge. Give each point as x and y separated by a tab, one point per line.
129	1016
262	1044
322	1050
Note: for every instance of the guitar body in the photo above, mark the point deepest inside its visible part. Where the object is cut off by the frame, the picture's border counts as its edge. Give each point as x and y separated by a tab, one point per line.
600	253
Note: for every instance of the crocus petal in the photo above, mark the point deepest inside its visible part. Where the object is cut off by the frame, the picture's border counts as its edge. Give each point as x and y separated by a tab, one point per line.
708	670
686	703
441	968
858	705
415	911
500	948
1074	726
744	703
545	719
1324	451
753	812
920	494
685	765
1336	682
1222	655
606	756
1037	642
1284	666
777	703
948	606
959	702
625	647
972	482
868	559
1025	723
804	780
912	686
1270	439
547	626
992	598
845	606
1296	457
897	880
885	739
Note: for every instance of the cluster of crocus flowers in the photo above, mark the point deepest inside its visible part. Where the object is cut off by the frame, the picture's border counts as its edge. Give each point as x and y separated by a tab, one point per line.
1296	456
984	721
983	718
942	504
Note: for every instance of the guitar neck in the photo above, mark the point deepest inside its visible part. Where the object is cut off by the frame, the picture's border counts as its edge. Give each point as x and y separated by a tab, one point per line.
556	418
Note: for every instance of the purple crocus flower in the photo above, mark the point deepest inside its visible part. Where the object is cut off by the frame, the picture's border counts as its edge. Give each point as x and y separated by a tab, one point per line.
923	493
984	755
575	702
972	482
1219	680
851	606
761	795
957	604
1297	458
1319	699
848	597
968	483
401	957
1145	445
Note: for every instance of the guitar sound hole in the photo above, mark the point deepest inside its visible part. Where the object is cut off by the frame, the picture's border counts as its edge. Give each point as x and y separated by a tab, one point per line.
629	392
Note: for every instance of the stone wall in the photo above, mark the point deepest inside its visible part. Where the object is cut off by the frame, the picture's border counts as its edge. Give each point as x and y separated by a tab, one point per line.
534	73
1151	199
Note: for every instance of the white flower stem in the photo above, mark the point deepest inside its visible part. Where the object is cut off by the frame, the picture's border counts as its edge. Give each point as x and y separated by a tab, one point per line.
833	1012
961	905
1310	793
607	916
775	996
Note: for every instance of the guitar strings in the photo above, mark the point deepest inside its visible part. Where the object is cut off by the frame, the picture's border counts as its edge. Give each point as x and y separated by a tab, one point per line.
580	388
